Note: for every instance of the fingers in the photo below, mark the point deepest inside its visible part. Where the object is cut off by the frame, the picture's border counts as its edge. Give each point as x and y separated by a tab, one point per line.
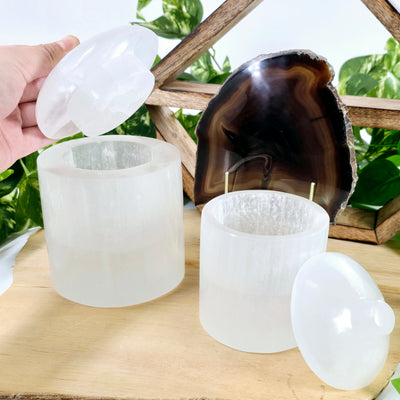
33	139
32	89
28	114
22	65
38	61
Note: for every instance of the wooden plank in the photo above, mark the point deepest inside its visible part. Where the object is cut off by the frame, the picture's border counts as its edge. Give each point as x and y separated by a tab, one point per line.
387	14
373	112
52	348
352	233
188	183
388	222
355	224
180	94
356	217
170	130
364	111
201	39
187	178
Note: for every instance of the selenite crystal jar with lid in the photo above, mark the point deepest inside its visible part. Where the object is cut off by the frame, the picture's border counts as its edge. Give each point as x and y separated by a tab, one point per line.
267	285
113	217
112	205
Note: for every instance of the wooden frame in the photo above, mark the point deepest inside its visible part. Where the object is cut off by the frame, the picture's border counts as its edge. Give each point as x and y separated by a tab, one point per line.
353	224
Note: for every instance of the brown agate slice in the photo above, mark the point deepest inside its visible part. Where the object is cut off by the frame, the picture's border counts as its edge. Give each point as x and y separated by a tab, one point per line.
277	123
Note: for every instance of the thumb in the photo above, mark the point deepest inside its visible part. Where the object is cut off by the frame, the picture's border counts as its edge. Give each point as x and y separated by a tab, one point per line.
41	59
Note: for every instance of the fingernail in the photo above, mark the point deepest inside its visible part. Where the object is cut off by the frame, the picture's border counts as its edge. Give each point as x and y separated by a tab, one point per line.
68	43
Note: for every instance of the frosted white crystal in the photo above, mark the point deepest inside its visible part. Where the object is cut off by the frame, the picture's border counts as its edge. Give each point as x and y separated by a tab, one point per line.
113	216
341	321
252	245
99	84
8	252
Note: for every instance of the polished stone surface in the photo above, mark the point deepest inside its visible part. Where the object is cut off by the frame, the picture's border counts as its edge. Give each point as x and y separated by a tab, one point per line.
278	123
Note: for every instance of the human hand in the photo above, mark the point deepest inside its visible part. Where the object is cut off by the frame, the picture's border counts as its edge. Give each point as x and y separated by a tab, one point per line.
23	70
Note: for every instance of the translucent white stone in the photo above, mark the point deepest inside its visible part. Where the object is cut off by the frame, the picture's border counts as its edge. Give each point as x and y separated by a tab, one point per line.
340	320
252	245
99	84
113	217
8	252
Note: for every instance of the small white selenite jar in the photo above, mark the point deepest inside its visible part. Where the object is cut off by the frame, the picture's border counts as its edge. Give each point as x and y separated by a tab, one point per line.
252	245
113	216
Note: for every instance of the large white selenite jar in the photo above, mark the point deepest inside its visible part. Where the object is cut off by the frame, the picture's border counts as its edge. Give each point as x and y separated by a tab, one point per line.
113	217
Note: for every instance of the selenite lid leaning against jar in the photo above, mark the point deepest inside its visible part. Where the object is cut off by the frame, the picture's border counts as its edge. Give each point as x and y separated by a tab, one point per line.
99	84
267	284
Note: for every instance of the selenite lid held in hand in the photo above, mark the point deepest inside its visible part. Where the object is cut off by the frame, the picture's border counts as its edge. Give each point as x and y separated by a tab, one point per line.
340	321
99	84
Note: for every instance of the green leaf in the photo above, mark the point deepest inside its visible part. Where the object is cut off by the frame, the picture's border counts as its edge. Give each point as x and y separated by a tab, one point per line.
139	124
6	174
360	84
189	122
10	183
396	70
391	87
383	143
30	161
157	60
165	27
203	70
357	133
185	76
28	208
396	384
7	217
73	137
349	68
392	45
378	182
362	65
372	66
141	4
226	66
395	159
7	184
388	60
220	78
179	19
192	8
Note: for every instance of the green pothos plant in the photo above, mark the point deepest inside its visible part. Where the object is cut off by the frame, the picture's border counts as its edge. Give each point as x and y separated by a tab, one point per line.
378	158
377	150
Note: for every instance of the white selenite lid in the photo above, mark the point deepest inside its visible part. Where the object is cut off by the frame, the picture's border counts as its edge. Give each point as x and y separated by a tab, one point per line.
99	84
340	321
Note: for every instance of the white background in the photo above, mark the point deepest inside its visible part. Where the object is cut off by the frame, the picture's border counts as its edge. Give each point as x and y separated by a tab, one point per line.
336	29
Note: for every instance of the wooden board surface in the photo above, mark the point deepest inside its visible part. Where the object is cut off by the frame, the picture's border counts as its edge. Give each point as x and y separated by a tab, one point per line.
50	346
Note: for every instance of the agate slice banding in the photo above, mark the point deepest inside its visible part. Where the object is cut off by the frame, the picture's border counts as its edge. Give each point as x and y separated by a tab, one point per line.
278	123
